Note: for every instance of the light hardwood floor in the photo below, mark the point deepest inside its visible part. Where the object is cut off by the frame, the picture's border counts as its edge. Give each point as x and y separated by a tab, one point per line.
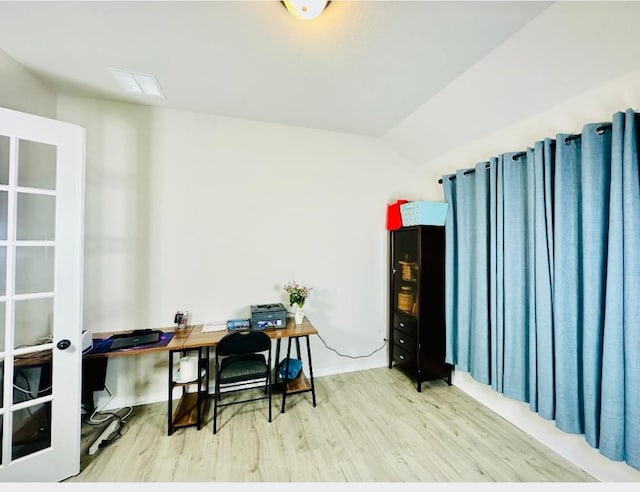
368	426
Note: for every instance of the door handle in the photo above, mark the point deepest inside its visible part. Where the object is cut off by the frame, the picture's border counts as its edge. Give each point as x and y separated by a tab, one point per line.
63	344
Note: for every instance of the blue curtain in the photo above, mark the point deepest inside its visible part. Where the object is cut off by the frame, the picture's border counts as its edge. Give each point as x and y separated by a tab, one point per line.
567	312
542	348
451	267
543	280
620	400
469	348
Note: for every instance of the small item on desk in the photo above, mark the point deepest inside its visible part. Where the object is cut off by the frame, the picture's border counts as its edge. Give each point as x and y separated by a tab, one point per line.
266	316
214	326
136	338
238	324
181	318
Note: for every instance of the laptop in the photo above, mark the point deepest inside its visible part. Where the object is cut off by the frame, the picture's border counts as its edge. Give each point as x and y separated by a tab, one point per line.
135	338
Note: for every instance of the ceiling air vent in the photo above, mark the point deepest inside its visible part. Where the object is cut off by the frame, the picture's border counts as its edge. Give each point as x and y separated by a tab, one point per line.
137	83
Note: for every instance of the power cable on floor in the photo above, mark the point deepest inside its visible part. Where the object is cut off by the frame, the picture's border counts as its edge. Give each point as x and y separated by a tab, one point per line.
111	415
353	356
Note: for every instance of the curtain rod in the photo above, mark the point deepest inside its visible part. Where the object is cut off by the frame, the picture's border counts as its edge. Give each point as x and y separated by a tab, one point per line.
470	171
599	130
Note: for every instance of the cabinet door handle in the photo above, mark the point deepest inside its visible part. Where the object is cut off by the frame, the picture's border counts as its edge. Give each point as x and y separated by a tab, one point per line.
402	357
401	340
402	325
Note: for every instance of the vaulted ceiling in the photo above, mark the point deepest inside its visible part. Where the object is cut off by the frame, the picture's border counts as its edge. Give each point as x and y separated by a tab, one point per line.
389	69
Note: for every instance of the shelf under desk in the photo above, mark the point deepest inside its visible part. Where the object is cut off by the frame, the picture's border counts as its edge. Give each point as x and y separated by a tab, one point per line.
191	406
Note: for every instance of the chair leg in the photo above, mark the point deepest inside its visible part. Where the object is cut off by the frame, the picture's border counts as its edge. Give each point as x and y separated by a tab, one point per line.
215	406
269	393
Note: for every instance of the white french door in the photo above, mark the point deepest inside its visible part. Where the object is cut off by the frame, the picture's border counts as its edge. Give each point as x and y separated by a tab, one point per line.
41	253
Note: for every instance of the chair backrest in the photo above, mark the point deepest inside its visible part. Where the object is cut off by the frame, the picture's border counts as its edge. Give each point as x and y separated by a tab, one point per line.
243	342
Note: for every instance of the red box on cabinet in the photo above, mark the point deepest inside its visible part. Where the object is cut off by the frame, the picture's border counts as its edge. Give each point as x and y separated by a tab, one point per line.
394	217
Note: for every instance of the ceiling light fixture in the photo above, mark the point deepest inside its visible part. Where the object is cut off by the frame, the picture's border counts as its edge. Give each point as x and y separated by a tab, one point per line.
137	83
305	9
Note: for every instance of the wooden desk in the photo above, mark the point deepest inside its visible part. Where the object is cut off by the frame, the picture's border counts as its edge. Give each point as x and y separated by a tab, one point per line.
191	408
193	337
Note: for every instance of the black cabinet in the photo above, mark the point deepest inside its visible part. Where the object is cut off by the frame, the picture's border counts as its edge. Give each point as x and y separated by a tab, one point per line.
417	332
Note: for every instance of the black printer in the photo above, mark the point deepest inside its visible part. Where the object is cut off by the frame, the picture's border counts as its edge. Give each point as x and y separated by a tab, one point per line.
267	316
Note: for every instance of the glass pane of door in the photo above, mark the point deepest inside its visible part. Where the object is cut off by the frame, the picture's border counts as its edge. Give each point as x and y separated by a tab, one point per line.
31	430
4	159
3	214
37	168
34	269
1	392
36	217
3	272
32	376
33	322
2	330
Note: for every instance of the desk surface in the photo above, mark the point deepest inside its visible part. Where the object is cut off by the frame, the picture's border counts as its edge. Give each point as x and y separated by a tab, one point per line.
198	338
192	337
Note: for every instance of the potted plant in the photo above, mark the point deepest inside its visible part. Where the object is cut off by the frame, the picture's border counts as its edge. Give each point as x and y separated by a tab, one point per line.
297	296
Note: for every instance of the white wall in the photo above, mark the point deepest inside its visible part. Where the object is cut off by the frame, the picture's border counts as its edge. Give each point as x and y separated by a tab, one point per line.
22	91
213	214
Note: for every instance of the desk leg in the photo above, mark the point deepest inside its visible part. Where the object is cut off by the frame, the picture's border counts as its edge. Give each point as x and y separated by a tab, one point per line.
206	385
170	399
286	375
277	358
203	393
298	348
199	389
313	387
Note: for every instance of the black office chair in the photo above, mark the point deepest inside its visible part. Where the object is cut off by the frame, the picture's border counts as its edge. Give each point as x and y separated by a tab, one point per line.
240	360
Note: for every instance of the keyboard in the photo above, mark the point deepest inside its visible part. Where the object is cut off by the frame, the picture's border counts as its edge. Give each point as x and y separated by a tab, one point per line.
135	339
